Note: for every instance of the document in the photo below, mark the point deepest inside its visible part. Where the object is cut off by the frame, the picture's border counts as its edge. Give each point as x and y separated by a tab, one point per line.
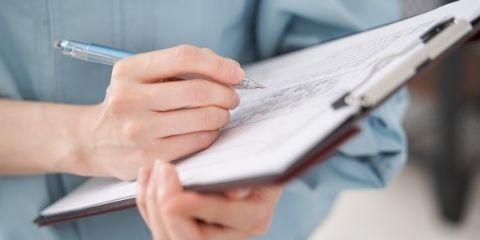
272	128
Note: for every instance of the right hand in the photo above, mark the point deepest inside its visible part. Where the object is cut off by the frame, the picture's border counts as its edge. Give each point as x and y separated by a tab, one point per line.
149	114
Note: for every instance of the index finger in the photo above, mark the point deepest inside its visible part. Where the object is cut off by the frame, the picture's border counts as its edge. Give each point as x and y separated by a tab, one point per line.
177	62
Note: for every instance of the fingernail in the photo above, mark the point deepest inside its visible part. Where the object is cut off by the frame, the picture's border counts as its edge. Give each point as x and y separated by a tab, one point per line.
237	73
235	62
243	193
240	194
238	101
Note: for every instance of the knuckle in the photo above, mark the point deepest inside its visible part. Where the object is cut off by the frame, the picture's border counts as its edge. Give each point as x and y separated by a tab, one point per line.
216	117
204	139
207	50
115	104
119	98
198	91
234	99
223	117
205	117
184	52
133	129
120	69
145	62
157	92
221	66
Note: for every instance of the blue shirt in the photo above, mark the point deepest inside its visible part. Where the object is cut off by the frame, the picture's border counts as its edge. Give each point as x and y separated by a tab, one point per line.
244	30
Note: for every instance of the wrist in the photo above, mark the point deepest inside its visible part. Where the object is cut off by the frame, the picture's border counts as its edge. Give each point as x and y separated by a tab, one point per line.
73	146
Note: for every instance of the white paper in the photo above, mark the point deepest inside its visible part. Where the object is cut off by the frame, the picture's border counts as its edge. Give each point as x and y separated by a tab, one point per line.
273	127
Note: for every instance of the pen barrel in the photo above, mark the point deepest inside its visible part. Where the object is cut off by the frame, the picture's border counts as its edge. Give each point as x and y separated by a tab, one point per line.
105	55
109	56
92	52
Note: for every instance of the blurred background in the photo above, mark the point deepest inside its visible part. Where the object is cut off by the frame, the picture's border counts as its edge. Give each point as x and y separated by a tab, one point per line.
437	196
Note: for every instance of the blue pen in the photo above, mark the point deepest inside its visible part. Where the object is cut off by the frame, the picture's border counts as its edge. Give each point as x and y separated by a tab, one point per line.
107	55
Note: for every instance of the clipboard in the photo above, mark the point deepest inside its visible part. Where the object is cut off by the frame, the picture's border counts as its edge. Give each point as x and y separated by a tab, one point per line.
435	44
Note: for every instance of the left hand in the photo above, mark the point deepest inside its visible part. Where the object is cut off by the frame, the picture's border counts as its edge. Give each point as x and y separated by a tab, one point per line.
173	213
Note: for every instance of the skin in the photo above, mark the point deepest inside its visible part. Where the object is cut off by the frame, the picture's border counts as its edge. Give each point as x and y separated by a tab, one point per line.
147	114
173	213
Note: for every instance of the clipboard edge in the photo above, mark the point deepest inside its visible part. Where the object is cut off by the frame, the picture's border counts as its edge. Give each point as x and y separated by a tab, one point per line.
312	157
315	155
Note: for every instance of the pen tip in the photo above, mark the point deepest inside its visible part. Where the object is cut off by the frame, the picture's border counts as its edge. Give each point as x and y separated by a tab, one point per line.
253	84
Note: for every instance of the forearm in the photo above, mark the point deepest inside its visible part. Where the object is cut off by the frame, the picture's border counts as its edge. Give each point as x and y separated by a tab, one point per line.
40	137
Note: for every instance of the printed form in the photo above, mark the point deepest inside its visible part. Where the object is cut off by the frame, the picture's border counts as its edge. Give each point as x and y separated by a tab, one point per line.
273	127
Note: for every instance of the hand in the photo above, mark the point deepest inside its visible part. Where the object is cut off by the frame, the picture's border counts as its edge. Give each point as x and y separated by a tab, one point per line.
172	213
149	114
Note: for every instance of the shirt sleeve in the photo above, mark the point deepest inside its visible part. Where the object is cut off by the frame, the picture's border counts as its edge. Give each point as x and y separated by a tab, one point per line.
379	151
8	87
284	25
